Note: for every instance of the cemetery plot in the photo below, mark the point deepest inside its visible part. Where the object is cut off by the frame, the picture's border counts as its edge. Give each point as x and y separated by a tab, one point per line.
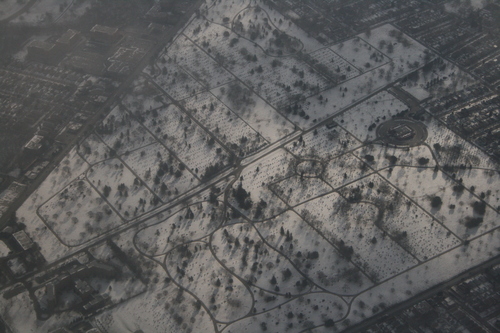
192	145
264	205
453	151
78	214
305	113
421	277
411	227
161	308
380	156
191	223
161	172
460	211
222	12
297	315
244	253
193	267
122	188
70	168
255	24
360	54
436	79
297	189
345	169
286	25
93	150
325	142
251	196
351	226
406	53
196	62
173	79
274	166
411	56
225	46
316	258
309	168
332	65
254	111
223	123
362	120
482	182
282	81
144	98
122	133
264	301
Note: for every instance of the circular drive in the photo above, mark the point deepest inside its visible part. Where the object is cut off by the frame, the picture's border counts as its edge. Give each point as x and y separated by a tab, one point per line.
402	132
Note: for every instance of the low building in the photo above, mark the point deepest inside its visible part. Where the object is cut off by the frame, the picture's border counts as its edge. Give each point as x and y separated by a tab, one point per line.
103	34
35	144
155	28
42	51
22	240
97	302
124	60
74	127
96	268
50	292
83	289
85	62
67	40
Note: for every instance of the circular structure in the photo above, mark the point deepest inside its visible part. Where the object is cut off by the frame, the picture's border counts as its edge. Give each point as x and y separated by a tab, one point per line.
402	132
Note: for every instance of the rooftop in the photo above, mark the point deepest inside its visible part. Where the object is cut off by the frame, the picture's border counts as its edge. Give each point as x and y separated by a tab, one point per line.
39	44
67	37
35	143
23	239
104	29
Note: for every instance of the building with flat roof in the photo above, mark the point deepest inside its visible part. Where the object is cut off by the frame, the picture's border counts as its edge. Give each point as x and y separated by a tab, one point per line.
103	34
35	143
67	40
23	240
85	62
42	51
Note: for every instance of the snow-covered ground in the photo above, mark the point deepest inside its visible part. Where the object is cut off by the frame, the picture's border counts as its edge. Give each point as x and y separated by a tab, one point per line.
355	227
255	111
160	238
233	131
296	234
442	79
78	214
329	270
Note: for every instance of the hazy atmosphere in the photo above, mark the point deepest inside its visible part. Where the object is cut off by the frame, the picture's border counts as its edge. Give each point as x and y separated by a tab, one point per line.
232	166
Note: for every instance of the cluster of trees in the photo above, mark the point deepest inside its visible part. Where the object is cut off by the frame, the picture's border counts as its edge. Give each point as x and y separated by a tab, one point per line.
242	197
212	170
239	96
